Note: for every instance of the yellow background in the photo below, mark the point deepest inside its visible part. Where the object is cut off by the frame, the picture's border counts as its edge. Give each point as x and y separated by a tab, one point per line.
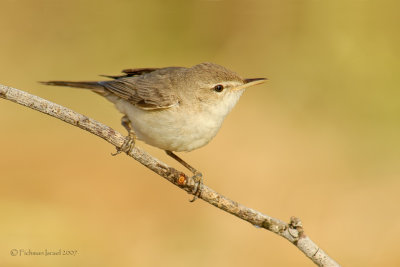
320	140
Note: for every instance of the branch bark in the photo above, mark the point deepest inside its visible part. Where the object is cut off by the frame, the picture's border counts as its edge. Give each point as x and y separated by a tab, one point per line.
292	231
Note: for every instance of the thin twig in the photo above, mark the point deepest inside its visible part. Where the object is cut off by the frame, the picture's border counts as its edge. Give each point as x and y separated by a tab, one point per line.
292	231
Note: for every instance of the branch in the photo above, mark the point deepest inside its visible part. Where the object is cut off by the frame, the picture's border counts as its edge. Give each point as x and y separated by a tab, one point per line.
292	231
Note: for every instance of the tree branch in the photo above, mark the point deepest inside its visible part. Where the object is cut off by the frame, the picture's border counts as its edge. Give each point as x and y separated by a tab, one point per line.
292	231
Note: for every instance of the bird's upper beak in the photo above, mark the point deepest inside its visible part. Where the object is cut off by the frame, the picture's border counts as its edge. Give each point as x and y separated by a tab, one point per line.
251	82
255	81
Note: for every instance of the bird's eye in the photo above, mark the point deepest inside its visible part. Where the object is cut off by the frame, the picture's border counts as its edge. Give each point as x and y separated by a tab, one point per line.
218	88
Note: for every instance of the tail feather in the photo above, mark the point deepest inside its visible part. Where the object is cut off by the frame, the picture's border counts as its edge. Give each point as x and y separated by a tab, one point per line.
87	85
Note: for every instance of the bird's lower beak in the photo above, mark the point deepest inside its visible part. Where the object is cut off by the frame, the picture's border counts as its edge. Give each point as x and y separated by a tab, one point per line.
251	82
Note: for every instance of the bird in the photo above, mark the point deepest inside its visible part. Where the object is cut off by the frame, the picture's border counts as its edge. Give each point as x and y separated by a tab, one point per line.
173	108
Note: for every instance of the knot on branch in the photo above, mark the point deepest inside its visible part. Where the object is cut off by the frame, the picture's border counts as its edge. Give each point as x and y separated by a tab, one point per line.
182	180
296	228
274	226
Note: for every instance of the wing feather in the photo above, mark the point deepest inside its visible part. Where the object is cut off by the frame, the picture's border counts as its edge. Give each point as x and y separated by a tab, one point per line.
149	89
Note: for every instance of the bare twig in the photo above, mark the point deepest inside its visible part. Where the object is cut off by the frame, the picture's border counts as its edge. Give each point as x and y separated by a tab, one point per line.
292	231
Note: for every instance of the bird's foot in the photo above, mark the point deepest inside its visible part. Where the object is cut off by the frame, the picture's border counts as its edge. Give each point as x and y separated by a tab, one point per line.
129	143
197	177
198	183
127	146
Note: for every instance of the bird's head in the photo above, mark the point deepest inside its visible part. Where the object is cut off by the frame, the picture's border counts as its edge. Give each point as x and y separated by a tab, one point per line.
215	85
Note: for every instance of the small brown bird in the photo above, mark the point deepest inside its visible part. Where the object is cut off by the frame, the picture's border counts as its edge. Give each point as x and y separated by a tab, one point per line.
173	108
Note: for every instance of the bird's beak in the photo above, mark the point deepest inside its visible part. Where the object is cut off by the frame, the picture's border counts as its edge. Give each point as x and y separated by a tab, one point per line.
251	82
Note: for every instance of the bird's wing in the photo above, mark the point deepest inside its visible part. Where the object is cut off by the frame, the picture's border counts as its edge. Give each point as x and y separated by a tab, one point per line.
148	89
139	71
131	72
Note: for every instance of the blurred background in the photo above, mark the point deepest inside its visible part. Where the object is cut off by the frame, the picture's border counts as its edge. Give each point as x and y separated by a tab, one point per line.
320	140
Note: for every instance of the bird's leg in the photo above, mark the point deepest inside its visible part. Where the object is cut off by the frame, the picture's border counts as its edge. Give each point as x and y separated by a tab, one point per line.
130	139
197	177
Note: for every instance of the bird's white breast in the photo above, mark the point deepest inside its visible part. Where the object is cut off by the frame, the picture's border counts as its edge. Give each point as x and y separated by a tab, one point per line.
177	128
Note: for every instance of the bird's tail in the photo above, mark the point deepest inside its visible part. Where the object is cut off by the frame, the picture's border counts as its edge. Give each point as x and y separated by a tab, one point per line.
88	85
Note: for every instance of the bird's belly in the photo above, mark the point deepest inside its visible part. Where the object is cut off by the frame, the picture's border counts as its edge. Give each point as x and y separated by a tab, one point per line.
171	129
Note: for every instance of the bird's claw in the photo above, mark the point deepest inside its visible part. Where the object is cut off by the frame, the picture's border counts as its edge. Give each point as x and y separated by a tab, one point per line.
126	147
198	183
